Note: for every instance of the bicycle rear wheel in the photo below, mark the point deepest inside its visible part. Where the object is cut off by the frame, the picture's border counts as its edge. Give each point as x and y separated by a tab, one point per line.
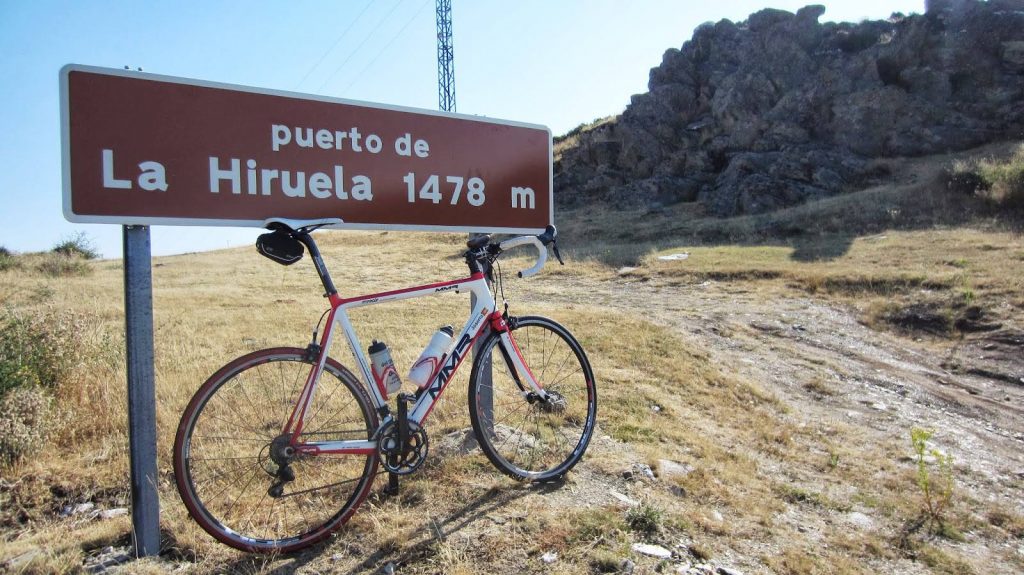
525	437
222	462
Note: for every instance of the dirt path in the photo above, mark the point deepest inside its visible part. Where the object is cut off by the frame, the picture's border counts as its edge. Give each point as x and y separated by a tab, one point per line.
818	359
889	382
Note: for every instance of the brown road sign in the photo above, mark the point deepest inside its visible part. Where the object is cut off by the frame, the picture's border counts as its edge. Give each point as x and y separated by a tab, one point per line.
146	149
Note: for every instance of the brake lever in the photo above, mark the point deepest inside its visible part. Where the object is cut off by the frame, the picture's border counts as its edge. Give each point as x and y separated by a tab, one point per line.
554	248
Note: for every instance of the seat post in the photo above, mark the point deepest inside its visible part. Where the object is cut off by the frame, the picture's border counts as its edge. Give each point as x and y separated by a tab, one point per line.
318	262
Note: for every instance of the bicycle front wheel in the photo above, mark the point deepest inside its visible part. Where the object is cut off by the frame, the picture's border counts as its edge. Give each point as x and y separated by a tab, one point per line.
223	466
525	437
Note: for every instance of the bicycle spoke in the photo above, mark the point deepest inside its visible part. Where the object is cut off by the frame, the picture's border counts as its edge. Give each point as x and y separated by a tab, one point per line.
254	412
231	438
228	486
539	439
561	366
227	451
230	410
313	489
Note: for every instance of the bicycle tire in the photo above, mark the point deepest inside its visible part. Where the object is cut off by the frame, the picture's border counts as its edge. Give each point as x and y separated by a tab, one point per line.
528	440
228	426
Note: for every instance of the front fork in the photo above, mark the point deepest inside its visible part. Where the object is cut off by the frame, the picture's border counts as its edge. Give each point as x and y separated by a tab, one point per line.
504	325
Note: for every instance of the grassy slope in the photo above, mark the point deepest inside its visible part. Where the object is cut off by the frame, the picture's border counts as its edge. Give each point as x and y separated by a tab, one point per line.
212	307
457	515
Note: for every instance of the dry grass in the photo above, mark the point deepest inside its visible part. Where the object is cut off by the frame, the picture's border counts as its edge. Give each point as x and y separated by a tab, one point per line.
755	459
944	272
996	179
201	323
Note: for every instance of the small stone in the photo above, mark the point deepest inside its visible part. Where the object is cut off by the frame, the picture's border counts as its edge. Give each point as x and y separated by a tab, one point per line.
82	508
626	270
108	558
728	571
624	498
652	550
638	471
879	406
627	566
22	560
549	557
672	257
717	516
389	569
860	520
112	513
668	468
677	490
683	569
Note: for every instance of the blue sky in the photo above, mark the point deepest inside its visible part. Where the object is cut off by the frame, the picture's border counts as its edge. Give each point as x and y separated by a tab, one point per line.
557	63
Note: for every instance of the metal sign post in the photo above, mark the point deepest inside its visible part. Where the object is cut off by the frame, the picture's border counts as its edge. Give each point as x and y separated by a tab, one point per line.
486	397
138	307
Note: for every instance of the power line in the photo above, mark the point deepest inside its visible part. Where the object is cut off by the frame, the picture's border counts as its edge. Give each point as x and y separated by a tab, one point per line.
335	45
385	49
361	44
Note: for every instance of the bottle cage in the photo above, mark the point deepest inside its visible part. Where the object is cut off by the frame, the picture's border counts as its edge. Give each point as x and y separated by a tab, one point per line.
280	246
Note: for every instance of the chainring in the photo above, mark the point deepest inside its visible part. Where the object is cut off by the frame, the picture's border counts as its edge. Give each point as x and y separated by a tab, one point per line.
396	459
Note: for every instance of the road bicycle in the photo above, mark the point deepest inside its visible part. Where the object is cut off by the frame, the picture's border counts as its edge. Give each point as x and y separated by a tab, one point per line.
278	448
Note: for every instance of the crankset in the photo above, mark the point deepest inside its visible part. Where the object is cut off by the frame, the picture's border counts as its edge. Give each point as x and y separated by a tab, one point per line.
398	458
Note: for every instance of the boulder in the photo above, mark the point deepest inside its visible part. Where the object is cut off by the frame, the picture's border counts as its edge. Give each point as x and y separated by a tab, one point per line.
779	109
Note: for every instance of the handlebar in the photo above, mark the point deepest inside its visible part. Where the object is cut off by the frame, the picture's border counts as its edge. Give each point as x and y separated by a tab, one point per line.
540	242
542	253
481	250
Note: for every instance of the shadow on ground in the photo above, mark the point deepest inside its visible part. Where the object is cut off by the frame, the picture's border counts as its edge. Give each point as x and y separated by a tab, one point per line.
438	528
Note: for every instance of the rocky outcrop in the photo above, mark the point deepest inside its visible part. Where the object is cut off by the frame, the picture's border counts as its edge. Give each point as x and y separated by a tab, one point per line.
753	116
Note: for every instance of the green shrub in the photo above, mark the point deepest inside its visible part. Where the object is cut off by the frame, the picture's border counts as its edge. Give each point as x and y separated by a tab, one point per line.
27	420
1005	180
8	260
77	245
60	264
644	519
38	355
936	488
38	350
999	181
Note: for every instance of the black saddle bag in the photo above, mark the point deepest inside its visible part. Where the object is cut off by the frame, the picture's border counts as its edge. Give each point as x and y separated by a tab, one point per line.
280	246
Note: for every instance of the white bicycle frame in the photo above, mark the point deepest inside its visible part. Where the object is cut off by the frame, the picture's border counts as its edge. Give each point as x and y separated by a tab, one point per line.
482	317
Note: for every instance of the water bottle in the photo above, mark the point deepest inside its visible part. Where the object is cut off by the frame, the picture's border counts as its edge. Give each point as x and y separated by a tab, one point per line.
427	364
383	367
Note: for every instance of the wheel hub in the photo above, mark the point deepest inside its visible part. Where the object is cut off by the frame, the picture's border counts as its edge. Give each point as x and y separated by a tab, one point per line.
276	462
553	403
281	450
